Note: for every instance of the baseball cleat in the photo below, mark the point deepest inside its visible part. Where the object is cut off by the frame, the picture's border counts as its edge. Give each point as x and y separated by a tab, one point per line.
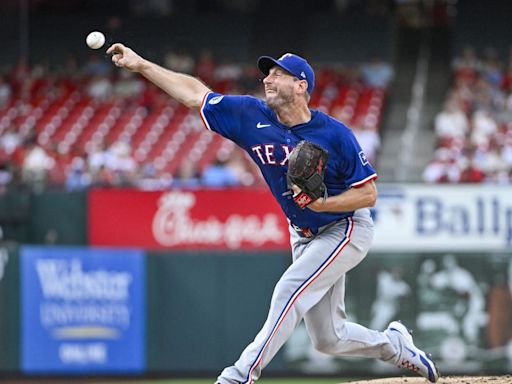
411	357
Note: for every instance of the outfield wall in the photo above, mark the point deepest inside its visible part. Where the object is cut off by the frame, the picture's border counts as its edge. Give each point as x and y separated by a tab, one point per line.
76	310
77	293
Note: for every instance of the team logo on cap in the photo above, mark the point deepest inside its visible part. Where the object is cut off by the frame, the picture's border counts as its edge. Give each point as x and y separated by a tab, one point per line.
285	56
303	74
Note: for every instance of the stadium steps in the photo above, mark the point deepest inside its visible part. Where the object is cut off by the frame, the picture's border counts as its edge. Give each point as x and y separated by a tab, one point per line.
437	86
394	122
437	83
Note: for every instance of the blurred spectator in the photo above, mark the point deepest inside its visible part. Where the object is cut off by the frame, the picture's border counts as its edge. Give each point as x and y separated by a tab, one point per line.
227	70
36	165
10	140
485	96
114	166
467	66
239	163
150	97
5	92
471	173
205	66
506	80
377	73
77	176
506	153
100	88
484	126
179	60
128	85
98	157
437	170
489	160
102	178
491	69
149	179
97	66
220	175
187	175
451	122
122	164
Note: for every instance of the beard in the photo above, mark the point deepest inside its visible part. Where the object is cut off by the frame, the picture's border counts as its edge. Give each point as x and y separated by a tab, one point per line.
279	98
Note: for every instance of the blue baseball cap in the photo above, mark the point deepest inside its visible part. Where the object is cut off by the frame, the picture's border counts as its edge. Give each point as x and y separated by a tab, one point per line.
294	64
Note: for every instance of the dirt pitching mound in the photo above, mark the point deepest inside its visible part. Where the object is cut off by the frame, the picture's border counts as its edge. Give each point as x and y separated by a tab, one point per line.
506	379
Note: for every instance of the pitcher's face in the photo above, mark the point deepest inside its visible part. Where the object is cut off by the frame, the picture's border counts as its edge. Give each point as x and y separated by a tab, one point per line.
280	87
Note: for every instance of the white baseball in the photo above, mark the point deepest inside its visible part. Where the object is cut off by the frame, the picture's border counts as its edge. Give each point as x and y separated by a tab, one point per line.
95	40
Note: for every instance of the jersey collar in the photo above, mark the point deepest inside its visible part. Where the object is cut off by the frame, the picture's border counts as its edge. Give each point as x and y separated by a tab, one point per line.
275	120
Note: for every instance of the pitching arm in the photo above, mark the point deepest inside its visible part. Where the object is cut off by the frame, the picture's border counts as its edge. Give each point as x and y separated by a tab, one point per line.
185	89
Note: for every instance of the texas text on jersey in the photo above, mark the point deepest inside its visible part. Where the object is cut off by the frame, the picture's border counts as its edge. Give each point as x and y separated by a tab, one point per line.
251	124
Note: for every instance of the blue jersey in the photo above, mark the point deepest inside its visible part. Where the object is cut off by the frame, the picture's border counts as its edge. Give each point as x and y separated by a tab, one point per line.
251	124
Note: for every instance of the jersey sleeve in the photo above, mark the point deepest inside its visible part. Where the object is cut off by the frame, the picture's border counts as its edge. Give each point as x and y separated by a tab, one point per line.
355	167
223	114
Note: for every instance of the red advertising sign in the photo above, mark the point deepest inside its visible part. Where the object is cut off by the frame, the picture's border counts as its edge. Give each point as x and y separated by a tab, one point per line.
179	219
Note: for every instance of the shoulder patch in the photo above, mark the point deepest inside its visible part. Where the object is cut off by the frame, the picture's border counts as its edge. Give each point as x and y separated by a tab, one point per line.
216	99
363	158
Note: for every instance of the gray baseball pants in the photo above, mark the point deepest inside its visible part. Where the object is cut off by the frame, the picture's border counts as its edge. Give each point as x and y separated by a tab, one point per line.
313	288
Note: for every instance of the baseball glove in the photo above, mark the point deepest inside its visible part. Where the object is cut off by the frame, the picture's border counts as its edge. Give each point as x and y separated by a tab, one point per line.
306	168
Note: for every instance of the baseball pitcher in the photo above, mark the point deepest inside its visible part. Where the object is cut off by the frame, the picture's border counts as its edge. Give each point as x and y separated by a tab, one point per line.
324	184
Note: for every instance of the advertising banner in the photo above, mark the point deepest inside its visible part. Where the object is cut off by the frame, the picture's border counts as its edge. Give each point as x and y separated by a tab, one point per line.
408	217
83	310
443	217
178	219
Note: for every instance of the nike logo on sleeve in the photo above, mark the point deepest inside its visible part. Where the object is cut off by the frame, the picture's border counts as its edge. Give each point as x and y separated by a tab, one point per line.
259	125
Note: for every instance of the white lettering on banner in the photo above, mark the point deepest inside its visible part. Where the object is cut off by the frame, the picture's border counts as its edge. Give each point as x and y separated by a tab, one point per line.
73	296
74	353
61	314
464	217
172	225
65	279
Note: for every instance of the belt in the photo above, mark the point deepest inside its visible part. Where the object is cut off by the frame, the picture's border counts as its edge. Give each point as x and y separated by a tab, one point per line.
305	231
308	233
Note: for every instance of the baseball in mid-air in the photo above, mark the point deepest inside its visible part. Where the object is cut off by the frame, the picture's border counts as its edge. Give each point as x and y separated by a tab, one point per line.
95	40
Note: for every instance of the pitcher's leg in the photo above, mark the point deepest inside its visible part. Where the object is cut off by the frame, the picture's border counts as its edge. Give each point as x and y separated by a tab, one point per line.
303	284
331	333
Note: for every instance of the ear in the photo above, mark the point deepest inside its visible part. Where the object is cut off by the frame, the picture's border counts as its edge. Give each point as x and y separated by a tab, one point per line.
303	87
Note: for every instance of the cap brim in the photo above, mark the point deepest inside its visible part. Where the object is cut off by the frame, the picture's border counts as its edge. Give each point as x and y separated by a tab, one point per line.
267	62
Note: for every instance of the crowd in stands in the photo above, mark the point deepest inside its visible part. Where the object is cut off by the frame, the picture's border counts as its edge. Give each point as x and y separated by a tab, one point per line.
36	151
474	129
